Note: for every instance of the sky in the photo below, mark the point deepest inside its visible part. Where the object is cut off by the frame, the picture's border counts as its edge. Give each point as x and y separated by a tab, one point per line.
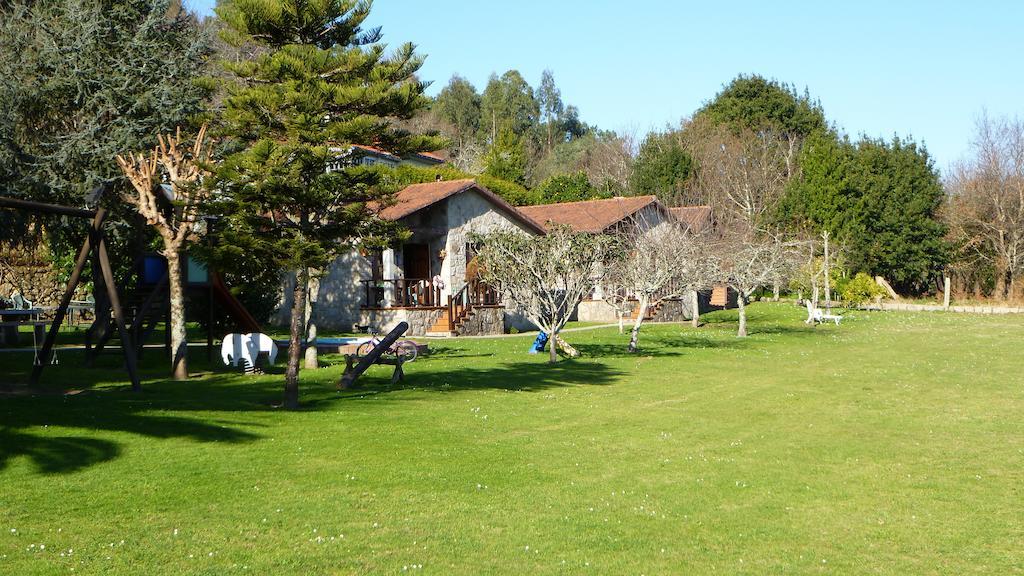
917	69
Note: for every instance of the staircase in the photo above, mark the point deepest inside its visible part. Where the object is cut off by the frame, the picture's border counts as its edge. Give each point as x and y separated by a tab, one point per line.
462	307
652	311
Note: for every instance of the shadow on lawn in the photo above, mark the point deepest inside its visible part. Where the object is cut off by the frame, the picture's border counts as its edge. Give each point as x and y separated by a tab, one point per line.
25	420
529	376
25	414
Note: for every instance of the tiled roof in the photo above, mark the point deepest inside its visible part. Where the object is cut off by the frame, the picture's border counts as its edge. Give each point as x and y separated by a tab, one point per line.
589	215
696	218
414	198
376	151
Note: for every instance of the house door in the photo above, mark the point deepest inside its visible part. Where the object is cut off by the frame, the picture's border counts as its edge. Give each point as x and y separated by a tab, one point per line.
416	261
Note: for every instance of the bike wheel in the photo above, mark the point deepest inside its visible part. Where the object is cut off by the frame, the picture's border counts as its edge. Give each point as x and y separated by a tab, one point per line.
365	348
406	350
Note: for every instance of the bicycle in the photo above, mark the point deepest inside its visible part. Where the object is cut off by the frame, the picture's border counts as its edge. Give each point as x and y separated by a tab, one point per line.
406	350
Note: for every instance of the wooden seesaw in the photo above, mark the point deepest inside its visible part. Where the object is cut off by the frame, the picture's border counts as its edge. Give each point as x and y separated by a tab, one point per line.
355	364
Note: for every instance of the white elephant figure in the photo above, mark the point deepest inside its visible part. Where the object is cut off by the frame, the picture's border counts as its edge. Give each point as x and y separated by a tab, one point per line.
245	348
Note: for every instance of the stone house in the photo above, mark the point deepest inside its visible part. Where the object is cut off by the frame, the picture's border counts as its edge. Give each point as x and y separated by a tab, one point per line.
611	215
424	280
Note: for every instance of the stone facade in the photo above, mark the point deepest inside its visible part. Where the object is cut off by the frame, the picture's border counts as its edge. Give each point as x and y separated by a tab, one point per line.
485	321
384	319
670	311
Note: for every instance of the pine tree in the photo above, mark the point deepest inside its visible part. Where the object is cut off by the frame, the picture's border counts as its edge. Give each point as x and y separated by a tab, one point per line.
318	83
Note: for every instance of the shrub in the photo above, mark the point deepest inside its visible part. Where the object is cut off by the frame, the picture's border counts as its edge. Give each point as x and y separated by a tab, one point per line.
862	288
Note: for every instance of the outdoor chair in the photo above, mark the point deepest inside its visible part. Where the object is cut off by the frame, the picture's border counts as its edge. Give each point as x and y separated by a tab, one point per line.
20	303
818	316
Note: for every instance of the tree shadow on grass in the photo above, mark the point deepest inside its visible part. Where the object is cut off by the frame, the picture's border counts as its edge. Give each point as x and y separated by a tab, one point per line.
36	426
96	406
526	376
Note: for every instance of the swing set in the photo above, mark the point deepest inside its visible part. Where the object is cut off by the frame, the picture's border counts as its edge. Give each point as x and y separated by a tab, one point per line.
94	246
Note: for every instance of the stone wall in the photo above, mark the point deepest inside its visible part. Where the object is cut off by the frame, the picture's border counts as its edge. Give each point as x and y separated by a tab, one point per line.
31	274
601	311
485	321
384	319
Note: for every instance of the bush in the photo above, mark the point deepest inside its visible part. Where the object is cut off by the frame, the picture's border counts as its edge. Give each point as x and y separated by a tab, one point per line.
862	288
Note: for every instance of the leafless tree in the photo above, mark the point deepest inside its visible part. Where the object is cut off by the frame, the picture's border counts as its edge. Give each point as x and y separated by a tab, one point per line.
653	257
610	160
167	191
751	262
987	198
547	276
742	175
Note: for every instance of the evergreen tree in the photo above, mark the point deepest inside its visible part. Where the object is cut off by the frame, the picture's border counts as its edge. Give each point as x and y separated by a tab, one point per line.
895	230
756	103
880	199
507	103
459	104
549	100
506	158
662	168
566	188
83	81
317	83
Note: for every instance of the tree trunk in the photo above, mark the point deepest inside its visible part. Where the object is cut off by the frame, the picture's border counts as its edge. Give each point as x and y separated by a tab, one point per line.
741	303
1007	283
776	291
291	383
634	334
311	360
695	314
622	322
553	347
179	339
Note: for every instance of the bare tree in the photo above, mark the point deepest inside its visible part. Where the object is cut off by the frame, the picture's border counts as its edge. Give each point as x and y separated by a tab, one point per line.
742	175
987	204
750	263
699	272
649	269
167	192
547	276
611	160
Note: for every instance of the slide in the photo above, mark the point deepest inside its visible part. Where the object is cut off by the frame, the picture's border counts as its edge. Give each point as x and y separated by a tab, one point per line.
232	306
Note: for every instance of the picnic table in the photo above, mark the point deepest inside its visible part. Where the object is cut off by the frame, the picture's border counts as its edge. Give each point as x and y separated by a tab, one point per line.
12	320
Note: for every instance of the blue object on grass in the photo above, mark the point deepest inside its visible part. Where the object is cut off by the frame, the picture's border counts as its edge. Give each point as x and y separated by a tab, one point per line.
539	343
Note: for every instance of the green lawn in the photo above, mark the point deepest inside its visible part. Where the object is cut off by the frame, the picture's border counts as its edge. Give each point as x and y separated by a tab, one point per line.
893	444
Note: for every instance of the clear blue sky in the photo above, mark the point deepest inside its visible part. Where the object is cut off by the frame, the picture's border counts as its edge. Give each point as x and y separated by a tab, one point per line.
924	69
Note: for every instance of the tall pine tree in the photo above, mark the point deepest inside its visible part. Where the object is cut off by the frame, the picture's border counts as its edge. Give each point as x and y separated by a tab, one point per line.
318	83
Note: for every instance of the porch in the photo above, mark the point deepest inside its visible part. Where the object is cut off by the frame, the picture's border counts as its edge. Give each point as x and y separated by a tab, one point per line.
430	310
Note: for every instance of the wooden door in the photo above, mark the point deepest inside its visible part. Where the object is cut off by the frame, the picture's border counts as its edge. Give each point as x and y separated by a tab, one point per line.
416	261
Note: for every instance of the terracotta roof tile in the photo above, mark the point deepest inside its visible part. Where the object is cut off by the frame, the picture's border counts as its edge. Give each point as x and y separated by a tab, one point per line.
414	198
589	215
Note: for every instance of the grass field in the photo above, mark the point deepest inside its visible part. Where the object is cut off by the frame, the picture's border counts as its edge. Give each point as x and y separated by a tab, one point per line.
893	444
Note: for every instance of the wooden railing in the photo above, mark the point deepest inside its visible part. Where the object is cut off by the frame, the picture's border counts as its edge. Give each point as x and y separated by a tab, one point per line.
471	295
401	293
